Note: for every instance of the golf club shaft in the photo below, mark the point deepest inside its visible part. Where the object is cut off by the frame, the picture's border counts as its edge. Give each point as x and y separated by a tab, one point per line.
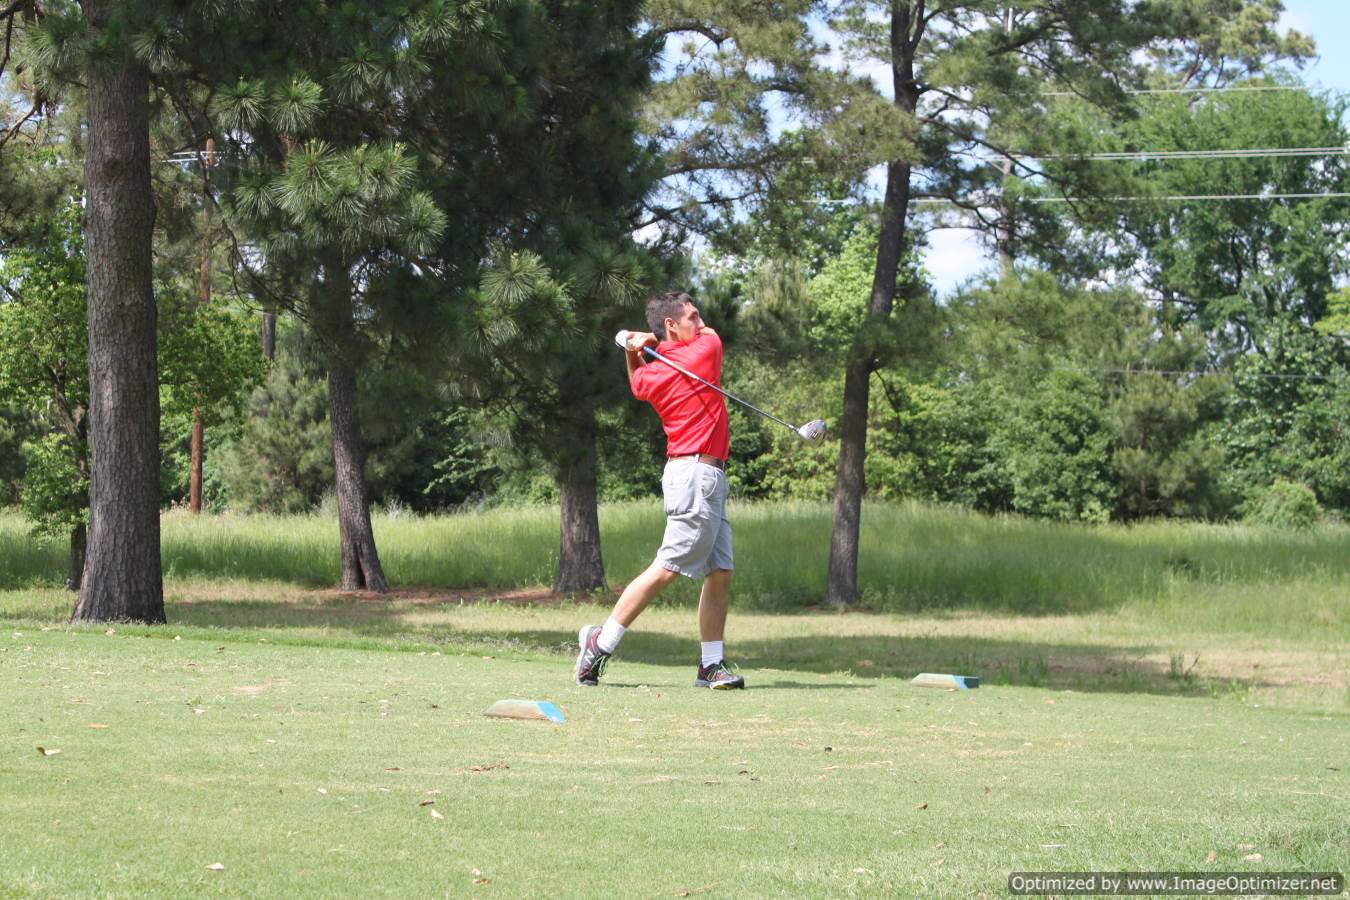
683	371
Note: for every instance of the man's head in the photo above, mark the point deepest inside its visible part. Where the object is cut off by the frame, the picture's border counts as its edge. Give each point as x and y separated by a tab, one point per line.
673	316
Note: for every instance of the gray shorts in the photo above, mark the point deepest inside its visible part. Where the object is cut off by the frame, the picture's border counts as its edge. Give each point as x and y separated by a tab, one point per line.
698	535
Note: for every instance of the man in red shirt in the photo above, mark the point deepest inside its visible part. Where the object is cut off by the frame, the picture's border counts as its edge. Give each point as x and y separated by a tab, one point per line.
697	541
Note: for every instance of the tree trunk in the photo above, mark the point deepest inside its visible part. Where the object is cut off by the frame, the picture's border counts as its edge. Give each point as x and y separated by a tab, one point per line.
269	334
580	567
841	586
75	569
1006	229
122	578
361	568
195	476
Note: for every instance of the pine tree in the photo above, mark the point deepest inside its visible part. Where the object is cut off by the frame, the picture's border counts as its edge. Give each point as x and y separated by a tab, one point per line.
567	274
328	194
122	576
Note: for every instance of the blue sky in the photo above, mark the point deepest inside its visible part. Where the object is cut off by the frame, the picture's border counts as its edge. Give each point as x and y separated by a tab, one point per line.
955	255
1328	22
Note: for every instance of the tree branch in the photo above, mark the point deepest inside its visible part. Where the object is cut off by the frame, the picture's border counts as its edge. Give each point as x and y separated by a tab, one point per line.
711	32
37	108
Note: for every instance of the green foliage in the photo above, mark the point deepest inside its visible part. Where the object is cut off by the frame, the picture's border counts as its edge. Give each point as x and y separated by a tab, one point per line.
1284	504
44	368
209	355
56	485
933	442
1336	323
1056	447
1164	456
534	348
1287	417
43	335
346	198
282	460
841	291
1237	267
804	217
16	426
840	297
766	312
450	468
277	456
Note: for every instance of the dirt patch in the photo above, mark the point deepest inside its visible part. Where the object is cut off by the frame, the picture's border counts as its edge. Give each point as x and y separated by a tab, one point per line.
189	592
432	596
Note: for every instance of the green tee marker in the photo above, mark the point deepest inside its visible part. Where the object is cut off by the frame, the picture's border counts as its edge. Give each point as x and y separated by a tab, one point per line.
947	682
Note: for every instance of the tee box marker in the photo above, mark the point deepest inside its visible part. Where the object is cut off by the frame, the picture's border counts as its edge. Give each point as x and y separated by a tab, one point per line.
526	709
947	682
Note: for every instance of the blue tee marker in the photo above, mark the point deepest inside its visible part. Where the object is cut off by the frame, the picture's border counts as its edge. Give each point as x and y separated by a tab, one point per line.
526	709
949	682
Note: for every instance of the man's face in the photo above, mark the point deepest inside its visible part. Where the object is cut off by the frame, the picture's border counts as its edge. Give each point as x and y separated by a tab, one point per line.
686	327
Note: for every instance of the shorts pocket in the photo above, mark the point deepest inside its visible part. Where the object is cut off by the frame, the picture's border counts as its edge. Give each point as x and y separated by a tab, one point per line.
711	482
680	491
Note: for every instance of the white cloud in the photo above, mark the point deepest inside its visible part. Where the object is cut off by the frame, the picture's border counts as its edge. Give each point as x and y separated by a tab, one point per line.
953	256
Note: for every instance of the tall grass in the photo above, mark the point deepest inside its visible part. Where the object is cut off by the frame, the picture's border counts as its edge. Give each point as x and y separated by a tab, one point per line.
912	557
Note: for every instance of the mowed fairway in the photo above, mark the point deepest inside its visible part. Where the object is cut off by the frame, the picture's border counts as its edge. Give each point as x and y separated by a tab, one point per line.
1164	697
317	770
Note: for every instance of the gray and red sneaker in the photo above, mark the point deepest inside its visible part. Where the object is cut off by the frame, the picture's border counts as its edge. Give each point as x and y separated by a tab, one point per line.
591	660
718	677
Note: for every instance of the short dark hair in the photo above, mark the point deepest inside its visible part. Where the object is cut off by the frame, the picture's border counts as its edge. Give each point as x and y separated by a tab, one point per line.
665	305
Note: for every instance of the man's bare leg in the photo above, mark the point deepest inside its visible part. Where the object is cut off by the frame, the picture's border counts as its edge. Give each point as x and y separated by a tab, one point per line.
713	602
642	590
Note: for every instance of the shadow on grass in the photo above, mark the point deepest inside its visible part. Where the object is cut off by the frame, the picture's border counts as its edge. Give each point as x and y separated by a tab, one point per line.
1048	664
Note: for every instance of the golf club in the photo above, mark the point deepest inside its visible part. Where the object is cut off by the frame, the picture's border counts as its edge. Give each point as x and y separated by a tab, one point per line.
811	431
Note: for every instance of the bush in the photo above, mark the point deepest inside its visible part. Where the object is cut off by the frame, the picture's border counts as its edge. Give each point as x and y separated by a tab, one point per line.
1056	446
1285	504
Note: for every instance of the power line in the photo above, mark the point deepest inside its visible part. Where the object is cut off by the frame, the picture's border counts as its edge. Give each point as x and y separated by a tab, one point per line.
989	201
1205	373
1190	197
1233	153
1191	90
943	201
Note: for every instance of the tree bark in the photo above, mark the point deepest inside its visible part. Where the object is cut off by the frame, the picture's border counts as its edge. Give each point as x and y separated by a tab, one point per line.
75	569
841	585
580	567
122	579
361	569
195	476
1006	229
269	334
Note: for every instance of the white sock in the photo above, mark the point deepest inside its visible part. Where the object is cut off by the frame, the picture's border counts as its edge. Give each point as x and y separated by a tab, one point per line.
712	653
610	635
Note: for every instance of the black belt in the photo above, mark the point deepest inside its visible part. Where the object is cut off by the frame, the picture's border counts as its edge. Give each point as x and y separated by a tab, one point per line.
706	459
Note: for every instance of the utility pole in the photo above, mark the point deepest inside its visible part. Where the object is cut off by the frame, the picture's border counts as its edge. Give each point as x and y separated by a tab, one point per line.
204	296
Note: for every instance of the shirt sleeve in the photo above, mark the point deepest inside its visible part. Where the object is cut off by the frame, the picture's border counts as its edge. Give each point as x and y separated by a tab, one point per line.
640	382
704	357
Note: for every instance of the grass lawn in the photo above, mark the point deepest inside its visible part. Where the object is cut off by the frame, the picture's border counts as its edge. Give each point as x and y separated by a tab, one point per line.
303	770
1183	703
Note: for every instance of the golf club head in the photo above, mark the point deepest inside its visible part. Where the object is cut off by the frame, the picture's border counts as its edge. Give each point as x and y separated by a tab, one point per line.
621	339
813	430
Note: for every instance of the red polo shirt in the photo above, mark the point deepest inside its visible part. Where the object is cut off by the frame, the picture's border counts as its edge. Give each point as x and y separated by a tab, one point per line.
693	415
